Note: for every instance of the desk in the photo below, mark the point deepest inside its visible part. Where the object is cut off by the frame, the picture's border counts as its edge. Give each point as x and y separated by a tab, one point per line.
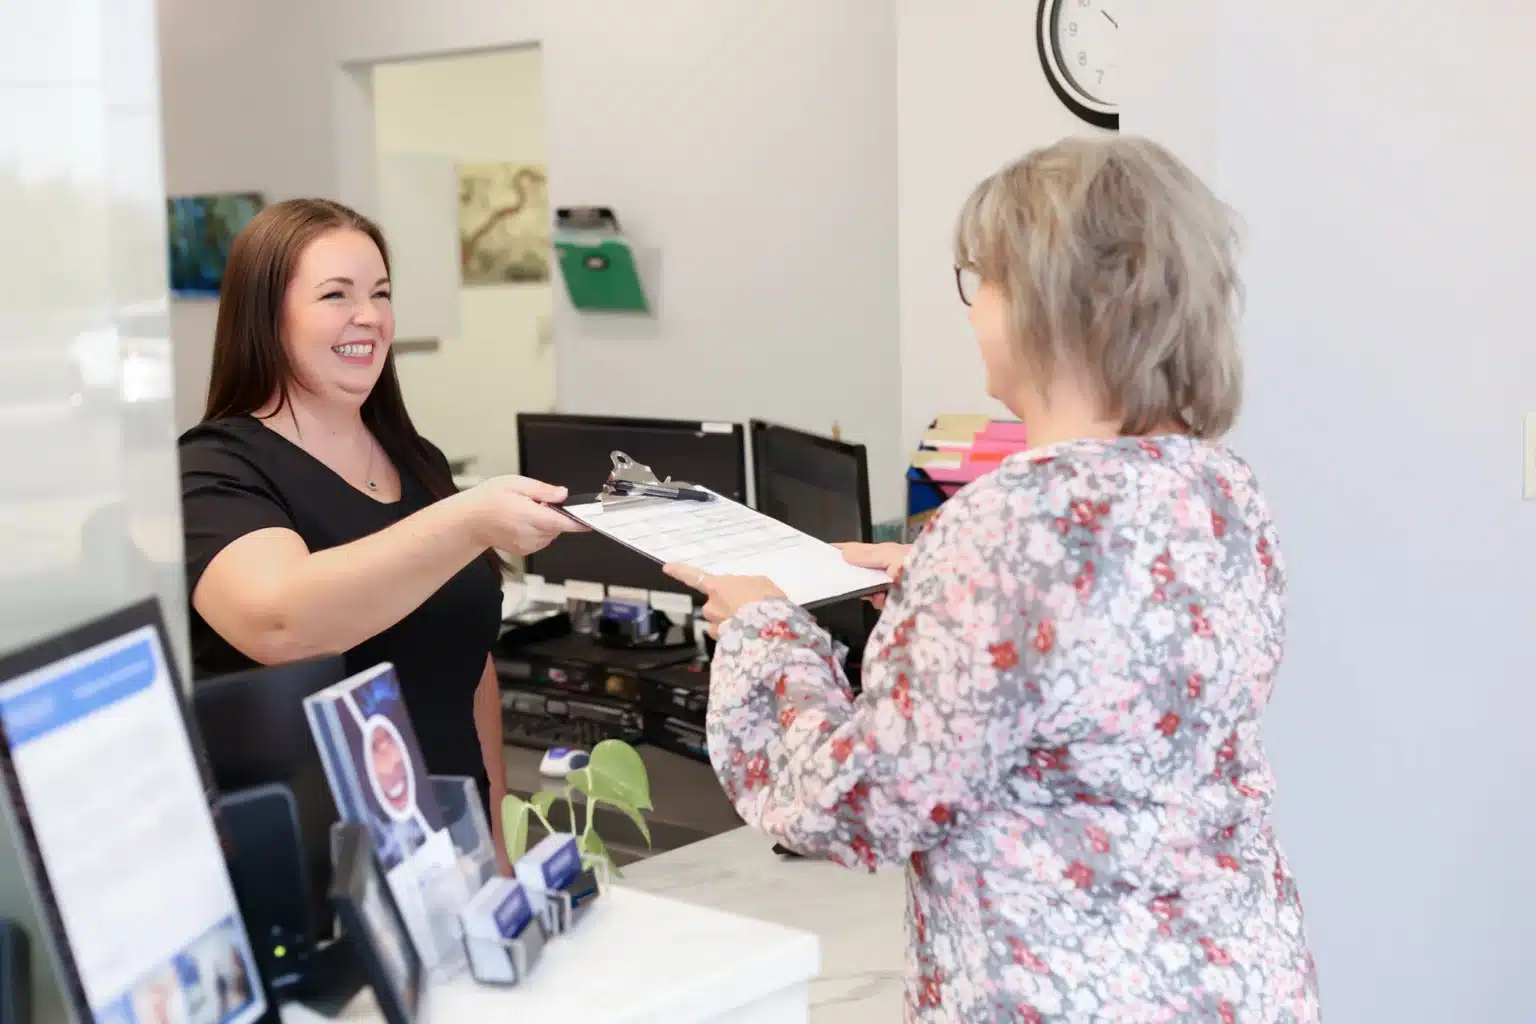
638	959
857	917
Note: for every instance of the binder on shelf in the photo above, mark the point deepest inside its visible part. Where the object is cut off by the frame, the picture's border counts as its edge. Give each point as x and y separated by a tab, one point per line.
597	262
956	449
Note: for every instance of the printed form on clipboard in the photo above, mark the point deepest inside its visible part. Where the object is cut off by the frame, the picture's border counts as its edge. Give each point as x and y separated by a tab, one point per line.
671	521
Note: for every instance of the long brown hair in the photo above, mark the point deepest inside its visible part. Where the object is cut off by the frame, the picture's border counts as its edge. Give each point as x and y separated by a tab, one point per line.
250	364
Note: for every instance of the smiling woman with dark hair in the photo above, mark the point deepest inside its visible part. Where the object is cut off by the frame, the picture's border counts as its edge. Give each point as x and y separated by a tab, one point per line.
317	520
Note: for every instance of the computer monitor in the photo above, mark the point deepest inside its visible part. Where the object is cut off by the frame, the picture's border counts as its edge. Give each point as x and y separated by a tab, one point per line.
819	486
573	452
107	793
256	735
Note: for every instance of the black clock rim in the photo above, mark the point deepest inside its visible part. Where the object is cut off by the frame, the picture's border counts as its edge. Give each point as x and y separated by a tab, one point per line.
1097	118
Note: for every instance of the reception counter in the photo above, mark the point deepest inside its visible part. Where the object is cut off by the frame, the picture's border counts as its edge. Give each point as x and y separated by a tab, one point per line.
722	930
857	917
636	959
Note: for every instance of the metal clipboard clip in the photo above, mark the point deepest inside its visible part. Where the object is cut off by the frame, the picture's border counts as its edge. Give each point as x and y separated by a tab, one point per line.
631	481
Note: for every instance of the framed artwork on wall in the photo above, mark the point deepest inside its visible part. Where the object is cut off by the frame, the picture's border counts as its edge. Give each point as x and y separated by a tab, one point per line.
503	224
201	229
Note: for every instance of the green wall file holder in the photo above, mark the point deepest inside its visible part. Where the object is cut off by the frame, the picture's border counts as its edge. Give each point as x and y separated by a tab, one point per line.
601	276
596	261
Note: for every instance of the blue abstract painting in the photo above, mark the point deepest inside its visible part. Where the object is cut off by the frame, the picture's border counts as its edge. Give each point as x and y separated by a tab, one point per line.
202	228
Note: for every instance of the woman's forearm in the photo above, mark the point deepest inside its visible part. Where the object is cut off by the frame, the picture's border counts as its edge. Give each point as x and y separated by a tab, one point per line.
488	727
277	602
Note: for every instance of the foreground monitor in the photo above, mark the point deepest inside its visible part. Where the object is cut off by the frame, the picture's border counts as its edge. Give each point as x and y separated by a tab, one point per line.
108	795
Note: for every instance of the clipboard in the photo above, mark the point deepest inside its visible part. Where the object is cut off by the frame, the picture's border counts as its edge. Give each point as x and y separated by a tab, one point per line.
717	536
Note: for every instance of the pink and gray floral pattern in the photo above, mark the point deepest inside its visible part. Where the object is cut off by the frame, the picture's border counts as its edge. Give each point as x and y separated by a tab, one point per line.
1059	738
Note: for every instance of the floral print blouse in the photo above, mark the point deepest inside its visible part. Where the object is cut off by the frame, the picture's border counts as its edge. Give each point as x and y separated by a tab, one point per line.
1058	737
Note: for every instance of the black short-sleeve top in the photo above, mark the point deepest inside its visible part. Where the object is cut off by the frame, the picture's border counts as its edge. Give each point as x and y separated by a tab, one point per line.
239	476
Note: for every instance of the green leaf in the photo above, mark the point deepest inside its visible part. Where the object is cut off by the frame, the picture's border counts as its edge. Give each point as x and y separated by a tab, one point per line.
542	801
514	826
594	852
634	816
591	845
580	780
618	775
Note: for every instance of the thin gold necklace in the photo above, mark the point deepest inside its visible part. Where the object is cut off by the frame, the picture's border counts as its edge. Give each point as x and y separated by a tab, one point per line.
373	485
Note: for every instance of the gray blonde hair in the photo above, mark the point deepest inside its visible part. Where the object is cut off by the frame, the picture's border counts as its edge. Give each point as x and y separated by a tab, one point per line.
1116	258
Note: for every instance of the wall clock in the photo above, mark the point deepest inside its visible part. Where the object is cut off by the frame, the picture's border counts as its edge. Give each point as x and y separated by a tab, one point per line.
1079	44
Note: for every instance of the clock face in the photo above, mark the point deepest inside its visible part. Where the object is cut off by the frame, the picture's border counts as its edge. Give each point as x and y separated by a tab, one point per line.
1080	47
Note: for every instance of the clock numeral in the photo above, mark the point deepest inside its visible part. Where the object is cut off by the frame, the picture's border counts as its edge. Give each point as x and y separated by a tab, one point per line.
1072	28
1085	3
1082	59
1101	76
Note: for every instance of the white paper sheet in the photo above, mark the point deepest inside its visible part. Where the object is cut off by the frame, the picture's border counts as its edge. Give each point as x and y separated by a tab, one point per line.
725	538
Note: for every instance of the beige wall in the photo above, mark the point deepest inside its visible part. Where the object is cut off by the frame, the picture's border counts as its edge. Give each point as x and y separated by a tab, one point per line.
477	108
970	96
1386	196
751	148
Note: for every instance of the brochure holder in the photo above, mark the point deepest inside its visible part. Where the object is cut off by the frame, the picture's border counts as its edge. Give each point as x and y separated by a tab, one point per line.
464	816
442	894
596	261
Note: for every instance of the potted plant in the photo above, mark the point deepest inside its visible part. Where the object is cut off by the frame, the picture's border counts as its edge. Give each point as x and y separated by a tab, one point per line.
615	775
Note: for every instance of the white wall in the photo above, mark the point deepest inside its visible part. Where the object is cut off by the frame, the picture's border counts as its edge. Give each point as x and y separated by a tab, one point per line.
245	101
971	96
752	146
89	518
1385	177
477	108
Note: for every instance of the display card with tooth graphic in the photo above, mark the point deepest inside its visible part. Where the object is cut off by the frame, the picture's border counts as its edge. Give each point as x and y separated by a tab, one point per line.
379	780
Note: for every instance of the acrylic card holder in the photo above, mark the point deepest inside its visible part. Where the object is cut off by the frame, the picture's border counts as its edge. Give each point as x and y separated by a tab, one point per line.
561	888
439	894
464	817
502	934
377	937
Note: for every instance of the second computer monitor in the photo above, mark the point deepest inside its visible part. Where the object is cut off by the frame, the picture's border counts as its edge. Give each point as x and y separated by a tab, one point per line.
573	452
818	485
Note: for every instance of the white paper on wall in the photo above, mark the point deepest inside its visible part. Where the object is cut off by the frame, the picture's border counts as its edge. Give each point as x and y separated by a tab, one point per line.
419	212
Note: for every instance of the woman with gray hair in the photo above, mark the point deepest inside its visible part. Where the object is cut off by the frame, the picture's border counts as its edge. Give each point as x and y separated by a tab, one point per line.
1059	731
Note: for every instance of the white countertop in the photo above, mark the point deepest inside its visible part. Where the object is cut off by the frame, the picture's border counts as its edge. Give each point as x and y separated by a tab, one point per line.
858	917
636	959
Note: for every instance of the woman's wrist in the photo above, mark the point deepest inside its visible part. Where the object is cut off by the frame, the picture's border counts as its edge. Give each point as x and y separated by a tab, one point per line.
764	611
471	512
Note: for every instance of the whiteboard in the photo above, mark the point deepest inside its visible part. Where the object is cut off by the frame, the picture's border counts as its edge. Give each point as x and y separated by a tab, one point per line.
419	212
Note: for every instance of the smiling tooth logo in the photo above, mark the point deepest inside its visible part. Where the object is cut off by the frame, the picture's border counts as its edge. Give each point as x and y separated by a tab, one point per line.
389	767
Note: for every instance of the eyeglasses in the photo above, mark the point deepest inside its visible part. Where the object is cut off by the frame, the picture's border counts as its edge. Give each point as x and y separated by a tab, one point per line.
966	282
